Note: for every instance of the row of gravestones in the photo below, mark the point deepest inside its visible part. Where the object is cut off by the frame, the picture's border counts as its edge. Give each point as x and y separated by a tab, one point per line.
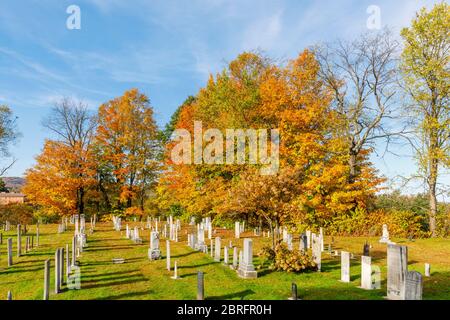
72	270
29	243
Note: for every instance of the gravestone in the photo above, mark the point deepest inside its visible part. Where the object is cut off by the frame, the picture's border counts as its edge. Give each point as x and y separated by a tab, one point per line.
289	241
175	271
237	229
46	279
397	267
168	254
118	260
316	250
427	270
19	241
217	249
385	235
345	266
321	239
235	258
308	239
366	249
37	234
154	252
303	242
366	273
200	286
74	250
67	262
225	255
1	238
294	295
413	286
10	258
246	268
57	273
9	296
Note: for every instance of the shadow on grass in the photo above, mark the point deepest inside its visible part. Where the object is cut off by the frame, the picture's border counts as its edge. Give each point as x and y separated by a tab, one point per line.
197	265
127	295
241	295
116	282
184	255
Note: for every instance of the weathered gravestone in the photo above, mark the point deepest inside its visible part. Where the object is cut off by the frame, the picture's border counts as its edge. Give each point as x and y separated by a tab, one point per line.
366	273
366	249
385	235
413	286
397	267
237	229
200	286
154	252
427	270
46	279
225	255
303	242
10	258
246	268
19	241
235	258
168	254
316	251
217	249
345	266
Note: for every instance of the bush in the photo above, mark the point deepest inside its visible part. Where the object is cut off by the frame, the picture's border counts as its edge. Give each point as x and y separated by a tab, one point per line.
283	259
16	213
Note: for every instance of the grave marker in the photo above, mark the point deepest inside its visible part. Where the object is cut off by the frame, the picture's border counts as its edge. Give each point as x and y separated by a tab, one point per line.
397	266
345	266
246	268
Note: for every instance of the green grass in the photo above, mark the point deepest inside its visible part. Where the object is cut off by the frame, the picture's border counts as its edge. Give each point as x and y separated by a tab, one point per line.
140	278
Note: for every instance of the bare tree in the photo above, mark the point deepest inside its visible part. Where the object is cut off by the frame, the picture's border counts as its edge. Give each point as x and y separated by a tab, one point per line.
8	135
74	125
362	75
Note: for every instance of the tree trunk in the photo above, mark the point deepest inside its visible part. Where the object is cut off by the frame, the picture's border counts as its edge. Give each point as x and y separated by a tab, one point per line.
432	196
352	166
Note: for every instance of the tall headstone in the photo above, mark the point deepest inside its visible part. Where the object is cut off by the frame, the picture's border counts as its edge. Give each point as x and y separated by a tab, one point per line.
235	258
154	252
200	286
366	273
175	271
74	251
168	255
246	267
10	254
308	239
303	242
217	249
321	239
67	262
237	229
427	270
413	285
397	267
57	266
316	250
225	255
19	241
366	249
46	279
345	266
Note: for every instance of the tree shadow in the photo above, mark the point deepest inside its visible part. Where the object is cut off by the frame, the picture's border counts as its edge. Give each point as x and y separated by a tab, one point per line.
104	283
184	254
241	295
197	265
127	295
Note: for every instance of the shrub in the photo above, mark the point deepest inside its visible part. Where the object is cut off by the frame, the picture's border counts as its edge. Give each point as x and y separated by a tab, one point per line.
283	259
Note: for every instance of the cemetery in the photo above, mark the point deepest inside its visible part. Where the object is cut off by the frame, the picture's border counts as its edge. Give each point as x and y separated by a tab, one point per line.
108	263
225	150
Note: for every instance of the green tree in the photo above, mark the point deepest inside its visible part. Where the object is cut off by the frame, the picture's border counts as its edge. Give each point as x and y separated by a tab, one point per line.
8	135
425	65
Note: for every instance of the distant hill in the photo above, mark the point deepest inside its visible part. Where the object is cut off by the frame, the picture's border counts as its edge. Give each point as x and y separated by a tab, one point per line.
14	184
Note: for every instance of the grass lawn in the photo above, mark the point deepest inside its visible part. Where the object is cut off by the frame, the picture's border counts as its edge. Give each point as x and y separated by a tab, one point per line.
139	278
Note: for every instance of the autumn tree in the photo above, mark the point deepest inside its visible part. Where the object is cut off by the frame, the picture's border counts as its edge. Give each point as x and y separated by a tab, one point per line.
53	183
73	126
425	65
127	149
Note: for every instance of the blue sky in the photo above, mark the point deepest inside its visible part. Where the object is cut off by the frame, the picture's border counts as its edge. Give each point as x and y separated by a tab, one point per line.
165	48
